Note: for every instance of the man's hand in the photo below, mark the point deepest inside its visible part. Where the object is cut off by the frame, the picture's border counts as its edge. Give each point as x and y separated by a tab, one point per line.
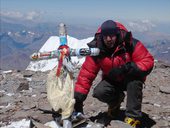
116	73
79	98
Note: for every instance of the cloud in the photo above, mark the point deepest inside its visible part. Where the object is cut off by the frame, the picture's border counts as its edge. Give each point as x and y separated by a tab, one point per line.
15	14
141	26
32	15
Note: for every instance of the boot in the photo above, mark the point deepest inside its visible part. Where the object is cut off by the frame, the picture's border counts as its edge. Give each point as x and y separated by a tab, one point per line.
114	108
113	112
133	122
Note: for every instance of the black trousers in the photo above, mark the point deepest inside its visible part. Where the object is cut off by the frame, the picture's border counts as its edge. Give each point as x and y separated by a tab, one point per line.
109	93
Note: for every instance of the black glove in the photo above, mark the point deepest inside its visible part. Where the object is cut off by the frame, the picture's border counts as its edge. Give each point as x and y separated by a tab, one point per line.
78	107
79	97
130	71
116	73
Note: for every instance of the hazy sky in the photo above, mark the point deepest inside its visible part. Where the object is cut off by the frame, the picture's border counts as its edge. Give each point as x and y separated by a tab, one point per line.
87	11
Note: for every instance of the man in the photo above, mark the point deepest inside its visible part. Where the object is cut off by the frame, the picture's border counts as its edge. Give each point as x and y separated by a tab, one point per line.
124	62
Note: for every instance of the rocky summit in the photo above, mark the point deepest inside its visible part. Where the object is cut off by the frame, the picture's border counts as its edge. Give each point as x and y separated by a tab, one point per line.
23	96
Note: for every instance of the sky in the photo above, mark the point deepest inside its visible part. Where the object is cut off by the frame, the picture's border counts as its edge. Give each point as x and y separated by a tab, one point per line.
87	11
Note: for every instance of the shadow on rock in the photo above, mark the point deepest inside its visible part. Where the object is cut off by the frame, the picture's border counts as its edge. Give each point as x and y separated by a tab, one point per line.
147	122
103	118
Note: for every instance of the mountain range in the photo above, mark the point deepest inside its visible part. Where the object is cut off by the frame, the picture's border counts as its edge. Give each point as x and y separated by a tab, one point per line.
18	41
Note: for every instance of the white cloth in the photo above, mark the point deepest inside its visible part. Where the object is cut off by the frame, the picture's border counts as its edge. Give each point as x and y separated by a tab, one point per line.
60	92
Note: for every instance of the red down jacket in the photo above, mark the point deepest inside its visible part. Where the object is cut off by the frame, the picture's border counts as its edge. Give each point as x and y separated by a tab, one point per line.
128	50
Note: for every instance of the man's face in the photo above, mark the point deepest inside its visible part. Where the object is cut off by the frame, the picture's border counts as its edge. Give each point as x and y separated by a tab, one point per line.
109	40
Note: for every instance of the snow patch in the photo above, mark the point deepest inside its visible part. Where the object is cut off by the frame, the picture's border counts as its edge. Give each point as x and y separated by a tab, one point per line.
19	124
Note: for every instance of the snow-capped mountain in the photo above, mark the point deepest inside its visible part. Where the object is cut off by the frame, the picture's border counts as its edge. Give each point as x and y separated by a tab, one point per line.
52	44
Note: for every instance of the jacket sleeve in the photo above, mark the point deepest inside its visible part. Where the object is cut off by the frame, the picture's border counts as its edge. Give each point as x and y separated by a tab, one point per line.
142	61
87	74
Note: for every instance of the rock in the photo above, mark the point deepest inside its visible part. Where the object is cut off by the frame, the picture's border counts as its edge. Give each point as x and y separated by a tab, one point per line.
1	77
42	117
164	124
156	117
16	71
36	124
28	73
7	72
6	100
94	125
161	65
119	124
24	85
29	106
166	107
22	114
3	105
157	105
165	89
145	101
1	94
